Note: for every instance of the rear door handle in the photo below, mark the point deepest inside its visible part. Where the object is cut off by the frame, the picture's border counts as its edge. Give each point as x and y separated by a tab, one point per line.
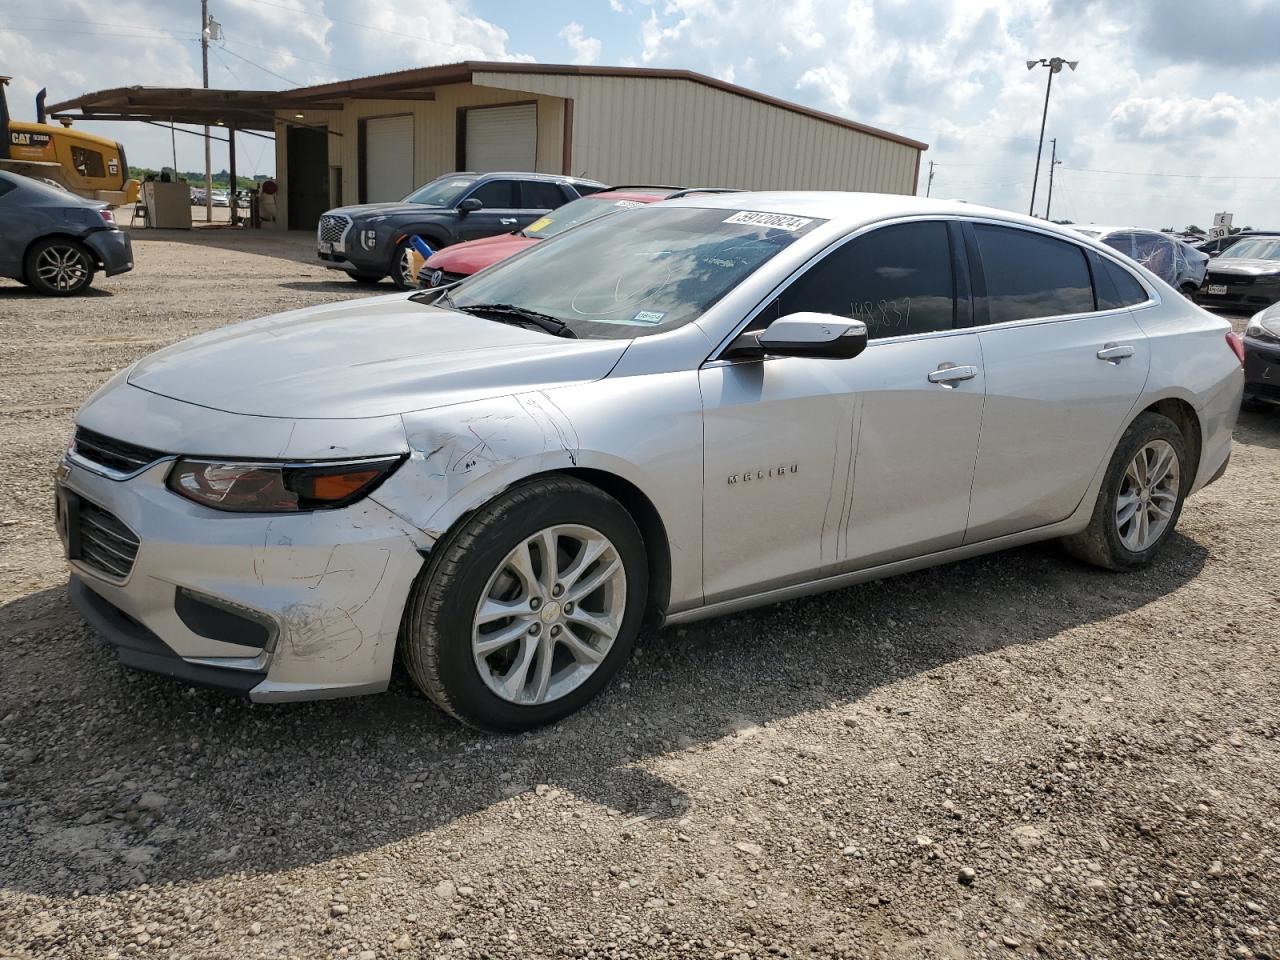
1115	352
948	374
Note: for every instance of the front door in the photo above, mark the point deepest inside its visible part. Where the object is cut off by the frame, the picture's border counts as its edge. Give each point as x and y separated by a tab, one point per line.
501	212
818	466
1062	378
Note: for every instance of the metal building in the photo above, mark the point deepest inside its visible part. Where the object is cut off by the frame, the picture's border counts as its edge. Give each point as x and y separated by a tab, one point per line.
376	138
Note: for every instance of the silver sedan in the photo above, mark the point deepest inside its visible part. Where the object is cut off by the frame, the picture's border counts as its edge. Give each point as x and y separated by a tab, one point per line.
688	409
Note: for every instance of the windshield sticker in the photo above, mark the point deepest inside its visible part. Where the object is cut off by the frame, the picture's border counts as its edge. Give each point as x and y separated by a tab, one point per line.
537	225
779	221
648	316
628	203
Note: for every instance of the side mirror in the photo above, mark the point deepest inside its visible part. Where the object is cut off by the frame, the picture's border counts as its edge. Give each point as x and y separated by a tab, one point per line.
470	205
818	336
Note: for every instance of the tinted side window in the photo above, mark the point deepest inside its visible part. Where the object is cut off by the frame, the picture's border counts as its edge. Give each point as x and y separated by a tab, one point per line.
497	195
1116	286
1030	275
896	280
540	196
5	187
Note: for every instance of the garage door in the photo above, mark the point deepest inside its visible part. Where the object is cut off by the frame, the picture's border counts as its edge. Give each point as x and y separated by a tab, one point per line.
502	138
388	158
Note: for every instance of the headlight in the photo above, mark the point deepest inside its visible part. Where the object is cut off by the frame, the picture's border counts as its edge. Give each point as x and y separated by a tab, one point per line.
278	487
1263	329
368	239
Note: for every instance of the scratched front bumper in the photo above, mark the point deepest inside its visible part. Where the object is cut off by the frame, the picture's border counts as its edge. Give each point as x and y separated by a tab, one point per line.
333	583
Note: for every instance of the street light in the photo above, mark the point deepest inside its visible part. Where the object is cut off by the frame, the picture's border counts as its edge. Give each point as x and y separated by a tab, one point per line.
1055	65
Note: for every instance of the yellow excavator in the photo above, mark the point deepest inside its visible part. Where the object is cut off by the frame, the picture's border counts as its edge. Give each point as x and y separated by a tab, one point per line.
89	166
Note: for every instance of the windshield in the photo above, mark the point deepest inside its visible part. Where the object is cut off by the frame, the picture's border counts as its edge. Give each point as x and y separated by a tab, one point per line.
648	272
572	214
441	192
1259	248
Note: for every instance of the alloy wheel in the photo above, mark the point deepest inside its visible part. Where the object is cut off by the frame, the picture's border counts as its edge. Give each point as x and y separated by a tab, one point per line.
549	614
405	265
62	266
1148	495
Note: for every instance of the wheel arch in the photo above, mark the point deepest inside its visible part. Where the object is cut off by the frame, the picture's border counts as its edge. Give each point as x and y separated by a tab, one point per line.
60	235
1187	419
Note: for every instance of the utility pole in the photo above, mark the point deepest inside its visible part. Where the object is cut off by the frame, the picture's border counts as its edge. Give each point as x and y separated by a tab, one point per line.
208	154
1053	162
929	183
1055	65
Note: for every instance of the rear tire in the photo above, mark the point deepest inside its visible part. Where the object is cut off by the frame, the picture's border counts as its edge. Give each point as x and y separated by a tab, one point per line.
59	267
485	667
1141	497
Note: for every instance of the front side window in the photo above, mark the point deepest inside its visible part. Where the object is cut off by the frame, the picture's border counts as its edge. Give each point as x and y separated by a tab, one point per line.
496	195
539	195
441	192
663	270
88	162
897	280
1030	275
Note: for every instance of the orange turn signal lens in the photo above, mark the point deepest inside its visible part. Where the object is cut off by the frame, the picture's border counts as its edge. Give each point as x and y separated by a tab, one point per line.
339	486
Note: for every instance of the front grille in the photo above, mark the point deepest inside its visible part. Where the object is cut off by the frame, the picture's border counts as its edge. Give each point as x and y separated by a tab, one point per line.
113	454
1230	279
105	543
439	278
332	228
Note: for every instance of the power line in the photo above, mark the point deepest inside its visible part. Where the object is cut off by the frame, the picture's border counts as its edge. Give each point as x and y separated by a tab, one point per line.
251	63
1180	176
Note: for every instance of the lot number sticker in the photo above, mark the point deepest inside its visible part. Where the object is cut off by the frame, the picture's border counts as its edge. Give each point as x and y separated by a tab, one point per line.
778	221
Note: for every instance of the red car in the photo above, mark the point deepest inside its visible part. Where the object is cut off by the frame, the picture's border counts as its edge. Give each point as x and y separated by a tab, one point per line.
463	259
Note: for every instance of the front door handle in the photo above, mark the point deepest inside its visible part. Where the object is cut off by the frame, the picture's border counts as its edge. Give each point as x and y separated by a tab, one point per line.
507	220
1115	352
948	374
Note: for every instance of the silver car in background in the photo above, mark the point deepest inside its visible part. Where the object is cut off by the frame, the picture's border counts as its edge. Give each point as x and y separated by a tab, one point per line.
684	410
1174	261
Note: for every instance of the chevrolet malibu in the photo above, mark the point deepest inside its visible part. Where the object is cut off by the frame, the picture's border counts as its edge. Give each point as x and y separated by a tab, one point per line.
728	401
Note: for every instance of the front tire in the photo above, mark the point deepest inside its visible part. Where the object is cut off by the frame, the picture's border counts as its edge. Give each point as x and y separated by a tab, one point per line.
528	610
1141	497
58	267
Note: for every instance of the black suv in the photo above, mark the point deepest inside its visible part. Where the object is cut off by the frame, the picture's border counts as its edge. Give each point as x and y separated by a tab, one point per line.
371	240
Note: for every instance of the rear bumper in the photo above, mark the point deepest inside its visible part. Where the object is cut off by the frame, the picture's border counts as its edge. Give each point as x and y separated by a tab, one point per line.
1261	292
1262	370
114	250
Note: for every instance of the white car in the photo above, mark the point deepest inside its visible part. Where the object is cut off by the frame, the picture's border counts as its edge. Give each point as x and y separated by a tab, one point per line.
684	410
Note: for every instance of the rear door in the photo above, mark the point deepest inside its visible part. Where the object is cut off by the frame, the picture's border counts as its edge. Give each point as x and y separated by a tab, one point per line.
814	466
539	197
501	212
1063	368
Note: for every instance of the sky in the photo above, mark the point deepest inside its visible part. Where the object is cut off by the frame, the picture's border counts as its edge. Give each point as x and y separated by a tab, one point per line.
1173	114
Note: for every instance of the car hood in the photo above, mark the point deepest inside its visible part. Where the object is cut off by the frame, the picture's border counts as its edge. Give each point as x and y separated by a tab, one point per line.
475	255
1244	267
360	211
367	358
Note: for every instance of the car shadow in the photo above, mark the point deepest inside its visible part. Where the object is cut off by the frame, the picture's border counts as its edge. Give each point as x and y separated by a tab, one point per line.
338	286
259	789
1258	427
19	291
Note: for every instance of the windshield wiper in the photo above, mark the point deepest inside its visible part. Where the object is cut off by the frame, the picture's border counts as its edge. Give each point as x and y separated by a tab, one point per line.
499	311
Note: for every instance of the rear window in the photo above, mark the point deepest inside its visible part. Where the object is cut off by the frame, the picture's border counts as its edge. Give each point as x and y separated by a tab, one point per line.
1030	275
539	195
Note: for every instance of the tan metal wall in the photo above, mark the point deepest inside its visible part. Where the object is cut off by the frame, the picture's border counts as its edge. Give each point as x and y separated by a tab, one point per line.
653	130
435	130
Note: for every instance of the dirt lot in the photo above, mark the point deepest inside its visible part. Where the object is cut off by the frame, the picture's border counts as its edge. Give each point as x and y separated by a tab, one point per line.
1004	757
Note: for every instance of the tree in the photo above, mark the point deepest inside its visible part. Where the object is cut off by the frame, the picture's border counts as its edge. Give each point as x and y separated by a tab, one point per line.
1192	228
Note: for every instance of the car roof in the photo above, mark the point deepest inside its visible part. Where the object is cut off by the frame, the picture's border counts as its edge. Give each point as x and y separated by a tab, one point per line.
520	175
852	209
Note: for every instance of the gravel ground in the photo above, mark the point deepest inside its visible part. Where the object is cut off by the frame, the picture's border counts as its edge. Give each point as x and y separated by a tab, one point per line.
1008	756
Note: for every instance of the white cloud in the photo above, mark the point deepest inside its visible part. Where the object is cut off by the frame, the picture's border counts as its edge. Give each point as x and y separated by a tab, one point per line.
585	49
616	6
